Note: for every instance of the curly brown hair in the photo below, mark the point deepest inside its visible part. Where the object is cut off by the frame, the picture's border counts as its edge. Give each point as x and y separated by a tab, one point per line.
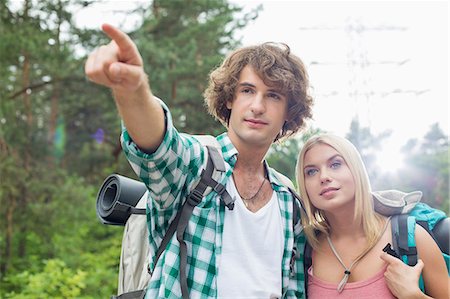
276	66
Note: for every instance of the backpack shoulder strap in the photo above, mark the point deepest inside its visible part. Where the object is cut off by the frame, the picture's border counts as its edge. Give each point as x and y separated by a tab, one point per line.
441	232
213	170
193	199
393	202
404	240
214	163
307	263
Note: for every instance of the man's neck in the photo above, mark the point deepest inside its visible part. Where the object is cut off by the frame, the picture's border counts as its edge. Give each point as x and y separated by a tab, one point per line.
249	156
248	167
250	160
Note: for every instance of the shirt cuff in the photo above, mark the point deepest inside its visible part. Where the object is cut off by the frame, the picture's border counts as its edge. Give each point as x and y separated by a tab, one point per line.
131	148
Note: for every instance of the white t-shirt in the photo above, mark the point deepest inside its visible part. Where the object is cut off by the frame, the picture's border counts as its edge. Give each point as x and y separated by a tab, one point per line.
252	251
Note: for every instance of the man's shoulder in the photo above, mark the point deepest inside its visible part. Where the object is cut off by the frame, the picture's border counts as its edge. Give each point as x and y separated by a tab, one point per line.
280	179
208	140
222	142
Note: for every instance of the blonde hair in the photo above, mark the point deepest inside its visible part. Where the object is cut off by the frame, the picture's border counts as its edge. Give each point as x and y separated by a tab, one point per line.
314	221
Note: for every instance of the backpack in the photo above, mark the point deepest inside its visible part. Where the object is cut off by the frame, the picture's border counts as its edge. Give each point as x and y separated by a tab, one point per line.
434	221
122	201
406	210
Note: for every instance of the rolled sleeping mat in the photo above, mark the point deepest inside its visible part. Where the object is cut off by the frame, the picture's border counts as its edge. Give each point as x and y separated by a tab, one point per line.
117	199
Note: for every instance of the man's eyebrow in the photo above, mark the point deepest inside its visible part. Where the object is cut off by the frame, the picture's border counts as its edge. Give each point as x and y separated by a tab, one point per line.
276	91
246	84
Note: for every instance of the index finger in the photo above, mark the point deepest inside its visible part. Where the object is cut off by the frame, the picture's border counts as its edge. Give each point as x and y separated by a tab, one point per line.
122	40
388	258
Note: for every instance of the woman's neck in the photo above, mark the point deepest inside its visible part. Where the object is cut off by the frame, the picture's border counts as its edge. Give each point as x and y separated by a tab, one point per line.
343	225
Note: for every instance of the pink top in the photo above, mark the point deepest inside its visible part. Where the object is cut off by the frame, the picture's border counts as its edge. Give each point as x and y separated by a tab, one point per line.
374	287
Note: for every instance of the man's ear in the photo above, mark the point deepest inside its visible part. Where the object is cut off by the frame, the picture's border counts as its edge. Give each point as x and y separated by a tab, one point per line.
229	104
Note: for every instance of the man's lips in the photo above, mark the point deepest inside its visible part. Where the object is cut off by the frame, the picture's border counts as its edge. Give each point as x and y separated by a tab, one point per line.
329	189
256	121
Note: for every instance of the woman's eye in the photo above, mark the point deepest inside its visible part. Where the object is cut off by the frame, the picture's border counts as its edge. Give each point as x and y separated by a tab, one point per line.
310	171
336	164
246	90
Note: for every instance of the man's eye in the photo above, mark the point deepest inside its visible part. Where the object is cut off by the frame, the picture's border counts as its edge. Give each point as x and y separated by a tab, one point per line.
274	96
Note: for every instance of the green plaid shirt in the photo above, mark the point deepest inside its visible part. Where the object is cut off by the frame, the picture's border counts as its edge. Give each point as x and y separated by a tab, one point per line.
170	173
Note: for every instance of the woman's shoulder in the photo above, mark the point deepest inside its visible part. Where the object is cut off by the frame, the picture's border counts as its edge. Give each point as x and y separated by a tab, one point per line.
425	243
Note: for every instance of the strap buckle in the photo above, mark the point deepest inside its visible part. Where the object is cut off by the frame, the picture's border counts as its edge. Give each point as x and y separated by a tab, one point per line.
194	198
219	188
292	262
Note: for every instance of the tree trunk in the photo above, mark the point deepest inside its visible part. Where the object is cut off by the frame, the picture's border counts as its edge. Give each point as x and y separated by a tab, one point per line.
56	93
6	258
23	199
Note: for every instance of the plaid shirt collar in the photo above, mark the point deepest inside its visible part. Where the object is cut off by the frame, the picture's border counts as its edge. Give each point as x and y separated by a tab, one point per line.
230	155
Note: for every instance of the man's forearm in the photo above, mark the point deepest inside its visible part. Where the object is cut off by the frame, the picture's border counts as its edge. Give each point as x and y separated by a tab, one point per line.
143	117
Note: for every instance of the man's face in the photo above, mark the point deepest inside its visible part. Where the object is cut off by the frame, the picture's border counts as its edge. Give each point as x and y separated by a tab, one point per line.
258	111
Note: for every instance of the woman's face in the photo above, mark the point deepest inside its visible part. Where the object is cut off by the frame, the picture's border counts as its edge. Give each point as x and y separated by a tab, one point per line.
328	180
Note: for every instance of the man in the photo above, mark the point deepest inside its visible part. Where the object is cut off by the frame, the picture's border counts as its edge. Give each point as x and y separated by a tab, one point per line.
260	94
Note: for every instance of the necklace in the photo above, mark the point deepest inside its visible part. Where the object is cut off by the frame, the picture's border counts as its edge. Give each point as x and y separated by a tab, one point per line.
251	199
347	272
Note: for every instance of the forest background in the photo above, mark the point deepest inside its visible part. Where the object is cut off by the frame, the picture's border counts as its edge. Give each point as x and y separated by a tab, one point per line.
59	136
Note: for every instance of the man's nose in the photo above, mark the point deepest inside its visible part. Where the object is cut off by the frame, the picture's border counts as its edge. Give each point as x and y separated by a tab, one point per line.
258	105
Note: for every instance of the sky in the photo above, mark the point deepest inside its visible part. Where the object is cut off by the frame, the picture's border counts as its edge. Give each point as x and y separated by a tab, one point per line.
385	63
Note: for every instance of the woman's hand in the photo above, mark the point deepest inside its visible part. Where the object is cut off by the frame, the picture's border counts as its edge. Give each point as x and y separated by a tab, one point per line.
403	280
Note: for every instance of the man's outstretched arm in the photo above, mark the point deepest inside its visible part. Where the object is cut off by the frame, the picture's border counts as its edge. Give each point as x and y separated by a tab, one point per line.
118	65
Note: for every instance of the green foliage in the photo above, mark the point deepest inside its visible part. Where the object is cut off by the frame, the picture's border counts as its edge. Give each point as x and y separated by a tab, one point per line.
181	41
367	144
426	164
51	243
427	167
59	134
55	281
283	155
63	224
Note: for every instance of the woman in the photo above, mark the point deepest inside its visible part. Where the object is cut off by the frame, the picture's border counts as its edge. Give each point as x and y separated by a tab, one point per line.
347	236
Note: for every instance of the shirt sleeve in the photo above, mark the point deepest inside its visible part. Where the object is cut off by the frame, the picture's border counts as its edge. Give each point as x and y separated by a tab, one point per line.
169	173
172	169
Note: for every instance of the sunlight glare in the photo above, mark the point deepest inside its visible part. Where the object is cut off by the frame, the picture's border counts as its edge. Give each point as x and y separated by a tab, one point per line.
389	158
